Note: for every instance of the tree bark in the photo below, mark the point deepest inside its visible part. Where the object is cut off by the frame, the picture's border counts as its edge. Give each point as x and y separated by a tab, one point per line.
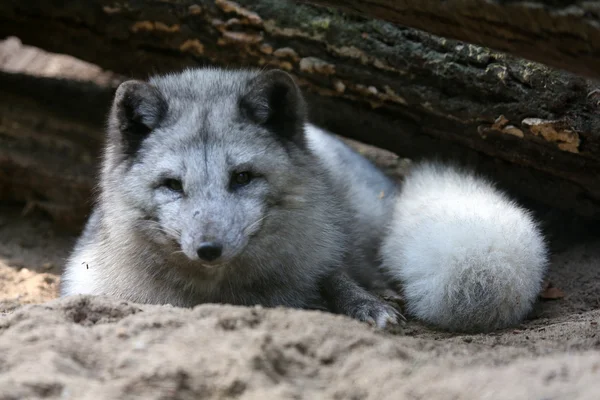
532	128
51	130
562	34
50	137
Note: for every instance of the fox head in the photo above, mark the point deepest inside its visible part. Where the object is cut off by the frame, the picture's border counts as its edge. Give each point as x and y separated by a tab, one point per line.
202	161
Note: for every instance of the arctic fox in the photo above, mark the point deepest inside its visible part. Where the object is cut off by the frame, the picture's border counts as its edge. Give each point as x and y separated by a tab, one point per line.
215	188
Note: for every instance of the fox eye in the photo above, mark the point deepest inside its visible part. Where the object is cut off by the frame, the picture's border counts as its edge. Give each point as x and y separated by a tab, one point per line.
174	185
241	178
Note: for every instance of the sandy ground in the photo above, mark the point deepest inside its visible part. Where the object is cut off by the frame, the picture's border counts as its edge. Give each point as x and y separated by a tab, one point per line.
31	256
96	348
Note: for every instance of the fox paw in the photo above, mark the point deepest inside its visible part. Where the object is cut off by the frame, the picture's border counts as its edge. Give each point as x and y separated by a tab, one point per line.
374	312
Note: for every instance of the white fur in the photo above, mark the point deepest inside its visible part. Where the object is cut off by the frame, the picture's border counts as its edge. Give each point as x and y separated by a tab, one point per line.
79	278
469	258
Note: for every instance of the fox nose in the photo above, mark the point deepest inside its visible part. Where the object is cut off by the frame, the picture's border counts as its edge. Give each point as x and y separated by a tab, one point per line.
210	251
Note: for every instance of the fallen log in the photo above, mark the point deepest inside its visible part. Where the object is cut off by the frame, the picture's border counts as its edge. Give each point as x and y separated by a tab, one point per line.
563	34
47	158
50	130
531	127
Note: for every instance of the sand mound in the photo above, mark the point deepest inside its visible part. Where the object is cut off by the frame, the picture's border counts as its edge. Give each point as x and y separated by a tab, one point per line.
97	348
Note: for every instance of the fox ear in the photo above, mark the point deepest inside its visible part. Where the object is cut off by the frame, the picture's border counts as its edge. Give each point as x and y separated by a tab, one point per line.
137	109
274	100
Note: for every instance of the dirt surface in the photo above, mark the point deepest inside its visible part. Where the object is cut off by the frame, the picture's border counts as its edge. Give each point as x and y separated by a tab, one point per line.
84	348
32	252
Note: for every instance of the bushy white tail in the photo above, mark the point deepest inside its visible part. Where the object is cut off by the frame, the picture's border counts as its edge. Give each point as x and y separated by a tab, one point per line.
469	258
